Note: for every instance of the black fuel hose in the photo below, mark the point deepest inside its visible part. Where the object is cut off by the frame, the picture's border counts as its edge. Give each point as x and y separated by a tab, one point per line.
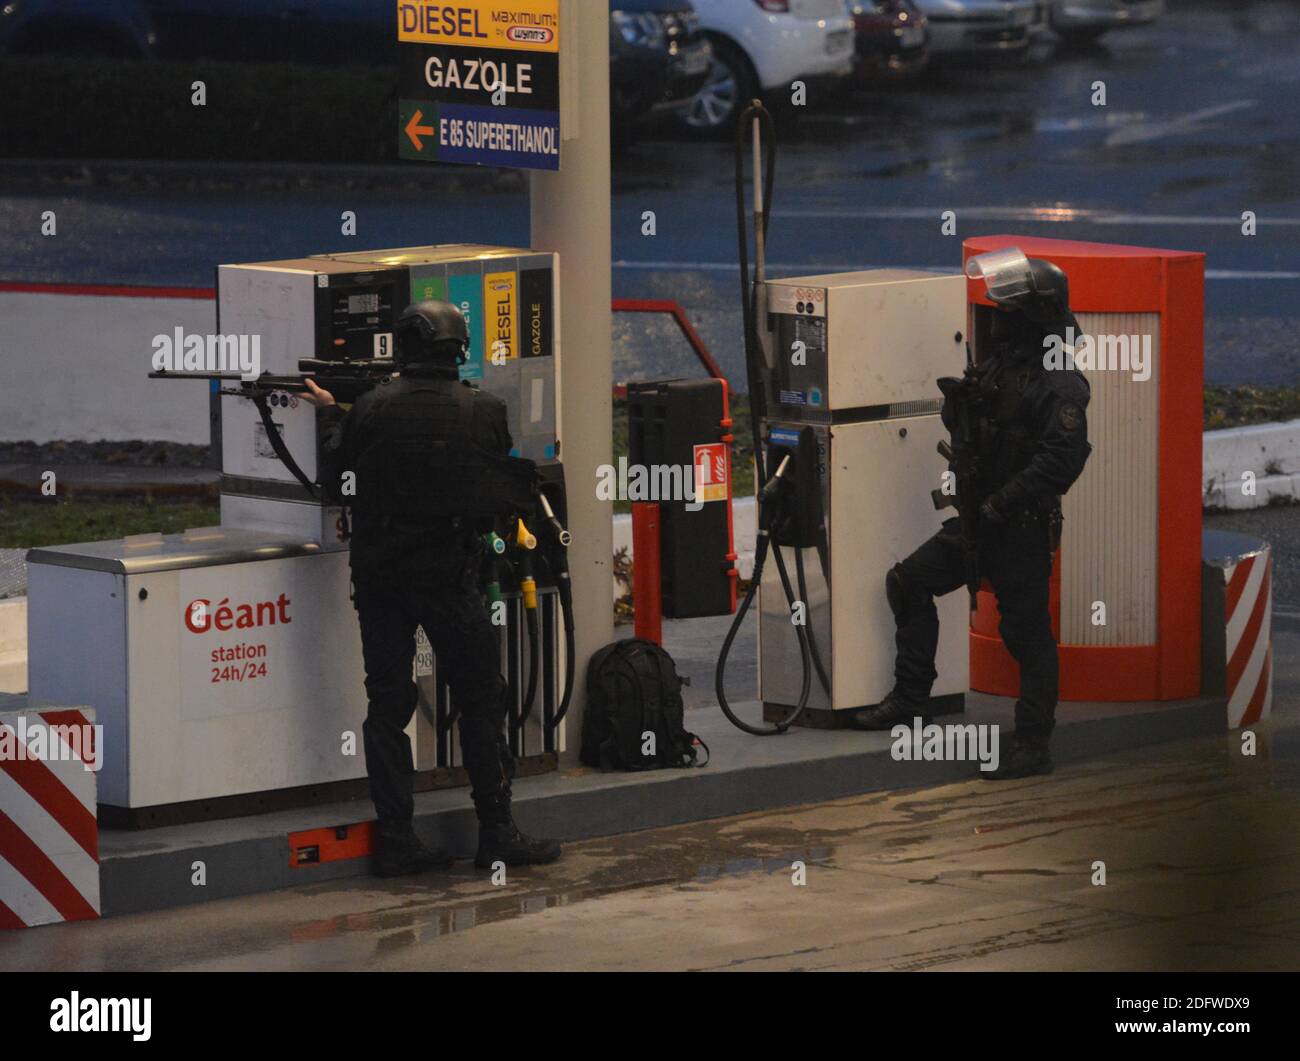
768	495
557	558
570	647
534	663
812	634
766	499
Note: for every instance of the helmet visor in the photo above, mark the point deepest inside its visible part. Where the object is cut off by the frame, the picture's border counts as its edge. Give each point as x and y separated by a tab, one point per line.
1006	273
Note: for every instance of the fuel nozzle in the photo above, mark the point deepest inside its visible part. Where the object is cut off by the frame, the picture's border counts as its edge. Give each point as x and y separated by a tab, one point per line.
526	542
772	488
561	535
496	549
524	538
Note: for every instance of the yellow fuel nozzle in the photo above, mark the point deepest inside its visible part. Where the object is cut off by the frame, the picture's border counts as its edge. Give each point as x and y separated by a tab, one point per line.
524	538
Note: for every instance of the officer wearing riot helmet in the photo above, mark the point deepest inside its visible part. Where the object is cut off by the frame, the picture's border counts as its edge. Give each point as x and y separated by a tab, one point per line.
1029	438
429	461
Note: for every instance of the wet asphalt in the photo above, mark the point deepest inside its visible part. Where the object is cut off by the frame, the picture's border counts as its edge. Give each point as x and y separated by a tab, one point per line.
1198	843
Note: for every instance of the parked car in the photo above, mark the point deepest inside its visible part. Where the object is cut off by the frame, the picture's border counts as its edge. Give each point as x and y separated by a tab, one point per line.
891	39
973	27
658	60
763	46
1086	20
1040	27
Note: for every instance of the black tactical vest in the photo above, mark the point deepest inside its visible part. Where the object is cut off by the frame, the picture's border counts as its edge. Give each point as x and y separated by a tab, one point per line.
1007	431
425	460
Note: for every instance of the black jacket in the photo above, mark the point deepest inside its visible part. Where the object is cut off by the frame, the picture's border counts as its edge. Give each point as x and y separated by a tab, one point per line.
1033	426
414	458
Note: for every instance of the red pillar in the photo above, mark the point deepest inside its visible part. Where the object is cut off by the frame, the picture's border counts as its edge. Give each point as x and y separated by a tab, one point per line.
647	592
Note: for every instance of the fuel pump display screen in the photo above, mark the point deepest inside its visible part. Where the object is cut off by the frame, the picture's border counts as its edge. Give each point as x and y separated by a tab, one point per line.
363	304
355	313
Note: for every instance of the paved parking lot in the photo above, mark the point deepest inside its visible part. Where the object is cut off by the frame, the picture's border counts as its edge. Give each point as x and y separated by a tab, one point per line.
1201	123
1202	870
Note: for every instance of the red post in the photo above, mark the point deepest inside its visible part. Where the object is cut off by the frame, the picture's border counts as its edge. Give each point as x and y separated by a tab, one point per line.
647	591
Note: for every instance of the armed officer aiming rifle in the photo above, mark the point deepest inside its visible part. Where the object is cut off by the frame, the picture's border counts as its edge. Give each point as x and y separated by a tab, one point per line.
428	457
1019	441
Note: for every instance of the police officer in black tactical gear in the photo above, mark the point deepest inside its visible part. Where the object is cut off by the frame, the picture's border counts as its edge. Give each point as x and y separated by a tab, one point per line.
431	467
1030	436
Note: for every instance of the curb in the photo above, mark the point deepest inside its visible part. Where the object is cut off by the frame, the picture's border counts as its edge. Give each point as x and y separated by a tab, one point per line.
170	491
122	481
1269	452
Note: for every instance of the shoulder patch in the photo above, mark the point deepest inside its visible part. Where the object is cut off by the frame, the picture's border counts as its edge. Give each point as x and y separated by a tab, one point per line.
1070	415
1070	384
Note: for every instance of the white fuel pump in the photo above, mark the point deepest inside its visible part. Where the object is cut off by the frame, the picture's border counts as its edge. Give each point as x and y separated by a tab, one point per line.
842	372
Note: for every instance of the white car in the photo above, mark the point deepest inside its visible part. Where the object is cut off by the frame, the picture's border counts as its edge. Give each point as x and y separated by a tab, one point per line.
764	46
964	27
1086	20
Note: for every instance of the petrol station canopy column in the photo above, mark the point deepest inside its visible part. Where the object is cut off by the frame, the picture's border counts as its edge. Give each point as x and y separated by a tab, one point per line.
571	215
525	84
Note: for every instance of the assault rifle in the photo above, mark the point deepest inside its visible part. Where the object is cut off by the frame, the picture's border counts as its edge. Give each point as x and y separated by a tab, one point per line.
964	399
346	380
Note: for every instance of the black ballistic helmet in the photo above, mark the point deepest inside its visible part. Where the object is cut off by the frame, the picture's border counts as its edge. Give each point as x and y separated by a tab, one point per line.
1033	286
431	331
1050	301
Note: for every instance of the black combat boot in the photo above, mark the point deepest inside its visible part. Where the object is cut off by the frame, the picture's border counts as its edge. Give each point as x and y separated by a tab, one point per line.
401	852
894	709
1021	756
499	839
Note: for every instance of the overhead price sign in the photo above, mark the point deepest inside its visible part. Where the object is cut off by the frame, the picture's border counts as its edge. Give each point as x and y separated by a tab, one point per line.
479	82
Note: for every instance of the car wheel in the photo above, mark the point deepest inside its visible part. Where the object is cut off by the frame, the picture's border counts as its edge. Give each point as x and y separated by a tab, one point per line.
726	92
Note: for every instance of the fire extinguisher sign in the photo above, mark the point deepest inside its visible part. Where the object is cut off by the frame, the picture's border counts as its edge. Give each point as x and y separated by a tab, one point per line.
711	472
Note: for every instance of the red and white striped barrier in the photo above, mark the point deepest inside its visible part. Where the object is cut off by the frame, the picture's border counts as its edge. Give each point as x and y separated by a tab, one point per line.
1236	625
49	840
1249	644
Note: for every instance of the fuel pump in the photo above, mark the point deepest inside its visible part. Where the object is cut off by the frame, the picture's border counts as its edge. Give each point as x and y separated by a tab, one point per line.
523	556
780	495
842	371
347	302
515	564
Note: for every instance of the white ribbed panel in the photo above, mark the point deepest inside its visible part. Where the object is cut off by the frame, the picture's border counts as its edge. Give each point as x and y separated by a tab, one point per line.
1108	550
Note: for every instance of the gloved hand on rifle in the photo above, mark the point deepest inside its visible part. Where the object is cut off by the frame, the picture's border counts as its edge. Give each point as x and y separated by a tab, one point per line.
990	513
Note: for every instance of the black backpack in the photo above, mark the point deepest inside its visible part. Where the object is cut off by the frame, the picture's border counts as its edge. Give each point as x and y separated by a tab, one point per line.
633	690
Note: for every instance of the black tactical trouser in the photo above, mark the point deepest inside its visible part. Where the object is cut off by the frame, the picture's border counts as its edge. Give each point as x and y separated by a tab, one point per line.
390	603
1017	559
